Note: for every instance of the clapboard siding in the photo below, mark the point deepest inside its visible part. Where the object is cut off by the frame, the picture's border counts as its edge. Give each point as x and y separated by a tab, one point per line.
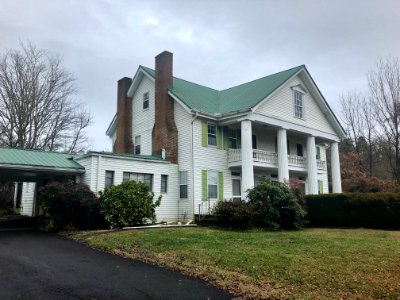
143	120
28	198
280	105
168	210
183	121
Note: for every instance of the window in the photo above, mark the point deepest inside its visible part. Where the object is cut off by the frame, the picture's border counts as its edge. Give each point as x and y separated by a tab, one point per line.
299	149
236	188
212	180
139	177
137	144
183	184
109	179
232	138
212	134
254	141
146	100
298	104
164	184
318	152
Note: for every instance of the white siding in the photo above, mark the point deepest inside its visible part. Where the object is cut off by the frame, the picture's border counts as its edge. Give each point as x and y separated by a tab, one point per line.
168	210
28	198
143	120
280	105
183	123
208	158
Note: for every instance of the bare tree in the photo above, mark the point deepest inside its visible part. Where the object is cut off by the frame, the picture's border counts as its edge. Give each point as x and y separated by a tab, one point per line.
37	108
384	87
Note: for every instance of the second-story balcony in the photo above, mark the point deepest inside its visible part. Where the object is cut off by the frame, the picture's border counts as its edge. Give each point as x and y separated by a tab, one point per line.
270	159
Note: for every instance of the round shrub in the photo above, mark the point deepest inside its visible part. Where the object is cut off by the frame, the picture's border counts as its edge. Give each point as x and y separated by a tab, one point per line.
235	214
275	206
127	204
69	205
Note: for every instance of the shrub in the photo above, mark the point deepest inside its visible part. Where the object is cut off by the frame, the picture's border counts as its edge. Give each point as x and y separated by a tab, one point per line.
129	203
371	210
235	214
275	206
69	205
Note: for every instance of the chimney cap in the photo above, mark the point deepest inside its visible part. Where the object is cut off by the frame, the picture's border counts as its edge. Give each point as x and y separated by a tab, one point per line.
165	52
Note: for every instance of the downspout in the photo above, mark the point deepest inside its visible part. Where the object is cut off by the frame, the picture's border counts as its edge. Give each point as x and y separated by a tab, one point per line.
194	208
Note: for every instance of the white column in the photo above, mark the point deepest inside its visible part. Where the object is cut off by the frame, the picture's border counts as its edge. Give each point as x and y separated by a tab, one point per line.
247	158
283	166
335	168
312	166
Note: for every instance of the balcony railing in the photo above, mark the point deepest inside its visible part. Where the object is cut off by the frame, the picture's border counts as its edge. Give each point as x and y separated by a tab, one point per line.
235	155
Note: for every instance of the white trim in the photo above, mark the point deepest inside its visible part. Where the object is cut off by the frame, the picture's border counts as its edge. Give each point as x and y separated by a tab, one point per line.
258	117
111	126
137	79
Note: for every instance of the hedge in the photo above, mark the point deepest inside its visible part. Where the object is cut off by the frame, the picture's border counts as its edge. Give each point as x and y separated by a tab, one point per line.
370	210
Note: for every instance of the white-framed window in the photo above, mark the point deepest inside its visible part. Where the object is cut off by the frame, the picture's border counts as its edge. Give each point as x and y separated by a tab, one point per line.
183	184
232	138
146	97
236	188
212	181
298	104
109	181
164	184
139	177
137	144
212	134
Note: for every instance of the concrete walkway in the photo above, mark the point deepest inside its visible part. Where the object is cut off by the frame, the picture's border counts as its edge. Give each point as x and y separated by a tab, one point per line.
36	265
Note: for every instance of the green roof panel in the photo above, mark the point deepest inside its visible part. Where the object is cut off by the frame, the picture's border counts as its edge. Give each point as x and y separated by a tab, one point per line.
239	97
37	158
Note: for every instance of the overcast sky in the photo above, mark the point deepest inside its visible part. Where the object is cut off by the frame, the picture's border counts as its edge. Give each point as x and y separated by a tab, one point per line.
215	43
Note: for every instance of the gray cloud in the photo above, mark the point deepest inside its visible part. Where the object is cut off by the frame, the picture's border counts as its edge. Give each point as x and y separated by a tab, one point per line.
215	43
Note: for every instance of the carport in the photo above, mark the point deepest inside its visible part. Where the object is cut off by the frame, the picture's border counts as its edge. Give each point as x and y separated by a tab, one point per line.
29	169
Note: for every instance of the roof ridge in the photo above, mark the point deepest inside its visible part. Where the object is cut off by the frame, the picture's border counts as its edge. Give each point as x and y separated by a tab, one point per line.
35	150
262	78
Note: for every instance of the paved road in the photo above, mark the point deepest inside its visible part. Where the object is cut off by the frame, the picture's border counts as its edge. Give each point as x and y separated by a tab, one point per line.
35	265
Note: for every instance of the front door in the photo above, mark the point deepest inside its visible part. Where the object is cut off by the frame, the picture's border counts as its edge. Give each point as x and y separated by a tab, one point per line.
236	189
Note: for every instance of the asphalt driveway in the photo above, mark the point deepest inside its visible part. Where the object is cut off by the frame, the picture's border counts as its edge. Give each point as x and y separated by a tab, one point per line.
36	265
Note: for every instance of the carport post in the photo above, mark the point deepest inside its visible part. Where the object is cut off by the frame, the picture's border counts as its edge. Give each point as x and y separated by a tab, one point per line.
15	196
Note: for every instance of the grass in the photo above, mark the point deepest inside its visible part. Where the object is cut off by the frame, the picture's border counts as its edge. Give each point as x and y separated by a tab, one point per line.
312	263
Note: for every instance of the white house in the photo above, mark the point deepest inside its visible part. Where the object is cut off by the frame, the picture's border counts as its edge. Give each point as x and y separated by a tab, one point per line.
217	143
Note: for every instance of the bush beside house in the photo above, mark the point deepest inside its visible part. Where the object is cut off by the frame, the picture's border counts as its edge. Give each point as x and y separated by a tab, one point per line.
371	210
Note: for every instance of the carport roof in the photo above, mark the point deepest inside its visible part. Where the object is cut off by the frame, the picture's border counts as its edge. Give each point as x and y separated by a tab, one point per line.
38	159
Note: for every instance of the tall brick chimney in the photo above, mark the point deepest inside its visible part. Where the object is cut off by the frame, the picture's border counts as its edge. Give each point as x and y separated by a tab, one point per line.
165	133
123	142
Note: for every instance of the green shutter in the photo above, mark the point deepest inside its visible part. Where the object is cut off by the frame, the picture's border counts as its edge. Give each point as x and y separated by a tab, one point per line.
204	183
220	186
204	133
226	140
321	186
239	139
318	153
219	137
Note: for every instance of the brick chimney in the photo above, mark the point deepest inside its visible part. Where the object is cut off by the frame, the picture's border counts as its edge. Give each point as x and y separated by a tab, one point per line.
123	142
165	133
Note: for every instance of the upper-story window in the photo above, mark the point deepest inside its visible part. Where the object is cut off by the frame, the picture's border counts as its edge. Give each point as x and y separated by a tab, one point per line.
212	134
137	144
232	138
298	104
146	98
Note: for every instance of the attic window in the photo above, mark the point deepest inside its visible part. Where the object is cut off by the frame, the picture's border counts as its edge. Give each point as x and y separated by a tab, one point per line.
298	104
146	100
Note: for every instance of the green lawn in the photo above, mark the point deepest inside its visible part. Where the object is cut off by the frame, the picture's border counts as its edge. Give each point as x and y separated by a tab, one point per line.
311	263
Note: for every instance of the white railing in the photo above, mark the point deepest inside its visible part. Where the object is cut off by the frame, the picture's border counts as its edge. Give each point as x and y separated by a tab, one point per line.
297	161
321	164
265	156
234	155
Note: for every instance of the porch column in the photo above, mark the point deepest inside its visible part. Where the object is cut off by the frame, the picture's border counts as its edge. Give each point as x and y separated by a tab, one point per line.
247	158
335	168
283	165
312	166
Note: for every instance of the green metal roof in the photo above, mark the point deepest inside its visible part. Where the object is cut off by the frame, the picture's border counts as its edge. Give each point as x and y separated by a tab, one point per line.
37	158
246	95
